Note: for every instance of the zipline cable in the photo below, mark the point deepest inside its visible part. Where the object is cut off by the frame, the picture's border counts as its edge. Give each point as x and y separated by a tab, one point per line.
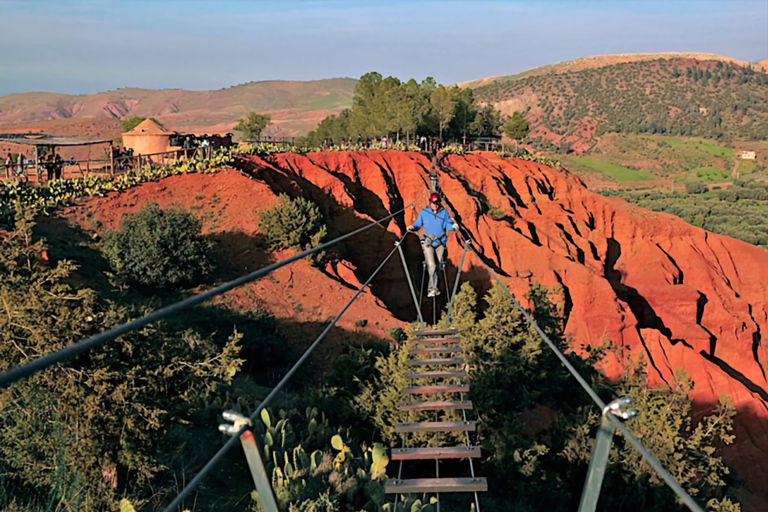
236	437
96	340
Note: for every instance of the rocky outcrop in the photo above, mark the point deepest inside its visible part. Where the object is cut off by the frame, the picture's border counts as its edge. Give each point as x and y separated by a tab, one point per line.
646	282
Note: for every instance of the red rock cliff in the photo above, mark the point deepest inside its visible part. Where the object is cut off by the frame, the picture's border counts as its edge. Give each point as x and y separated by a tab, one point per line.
646	281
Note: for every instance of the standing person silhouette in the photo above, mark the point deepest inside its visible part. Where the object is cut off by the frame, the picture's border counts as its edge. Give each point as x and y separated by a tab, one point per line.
436	223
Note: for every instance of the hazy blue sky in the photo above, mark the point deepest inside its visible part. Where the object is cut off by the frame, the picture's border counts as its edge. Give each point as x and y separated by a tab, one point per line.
90	46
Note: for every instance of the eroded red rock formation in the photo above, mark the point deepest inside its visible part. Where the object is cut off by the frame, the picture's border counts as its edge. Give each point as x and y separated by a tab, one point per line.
647	282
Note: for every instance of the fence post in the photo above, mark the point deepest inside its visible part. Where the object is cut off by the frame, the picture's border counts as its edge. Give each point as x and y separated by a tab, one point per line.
599	460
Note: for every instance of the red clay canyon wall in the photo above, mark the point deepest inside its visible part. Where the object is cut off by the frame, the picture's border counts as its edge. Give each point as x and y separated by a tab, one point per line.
646	281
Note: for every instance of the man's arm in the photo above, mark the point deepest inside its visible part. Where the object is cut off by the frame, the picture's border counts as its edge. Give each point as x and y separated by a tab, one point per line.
449	224
417	225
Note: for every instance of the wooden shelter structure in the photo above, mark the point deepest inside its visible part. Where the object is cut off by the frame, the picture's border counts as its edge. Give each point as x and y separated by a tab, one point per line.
45	140
44	143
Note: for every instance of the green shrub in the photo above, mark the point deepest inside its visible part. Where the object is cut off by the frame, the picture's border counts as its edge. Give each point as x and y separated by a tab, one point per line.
496	213
696	188
159	248
81	436
293	223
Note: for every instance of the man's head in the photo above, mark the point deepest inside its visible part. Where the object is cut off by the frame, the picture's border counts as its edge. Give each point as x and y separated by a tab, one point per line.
434	201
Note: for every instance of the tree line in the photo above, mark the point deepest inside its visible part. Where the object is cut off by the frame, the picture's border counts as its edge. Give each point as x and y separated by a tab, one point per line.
388	107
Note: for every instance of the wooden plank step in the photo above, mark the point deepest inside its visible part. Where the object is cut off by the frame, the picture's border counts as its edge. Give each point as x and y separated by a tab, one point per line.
435	350
437	405
431	390
444	341
436	452
436	360
442	485
436	426
437	332
437	374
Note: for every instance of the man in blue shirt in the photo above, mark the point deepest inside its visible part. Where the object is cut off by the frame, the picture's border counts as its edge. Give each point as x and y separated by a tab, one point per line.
436	223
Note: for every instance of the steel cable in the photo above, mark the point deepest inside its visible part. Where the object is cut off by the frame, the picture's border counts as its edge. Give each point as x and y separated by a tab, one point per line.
19	372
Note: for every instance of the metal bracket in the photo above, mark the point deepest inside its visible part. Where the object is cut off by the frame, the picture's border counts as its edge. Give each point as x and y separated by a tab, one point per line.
616	406
238	421
252	455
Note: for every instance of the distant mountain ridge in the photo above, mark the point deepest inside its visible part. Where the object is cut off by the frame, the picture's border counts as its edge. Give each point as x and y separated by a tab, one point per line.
296	107
598	61
570	110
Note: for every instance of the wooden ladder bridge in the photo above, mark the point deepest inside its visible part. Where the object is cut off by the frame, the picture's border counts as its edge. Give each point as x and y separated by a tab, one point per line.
447	376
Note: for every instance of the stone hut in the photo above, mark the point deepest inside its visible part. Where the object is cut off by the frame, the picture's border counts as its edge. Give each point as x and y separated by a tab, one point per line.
148	138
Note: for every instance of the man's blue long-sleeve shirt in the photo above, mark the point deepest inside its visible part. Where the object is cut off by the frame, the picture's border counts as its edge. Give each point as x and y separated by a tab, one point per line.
435	224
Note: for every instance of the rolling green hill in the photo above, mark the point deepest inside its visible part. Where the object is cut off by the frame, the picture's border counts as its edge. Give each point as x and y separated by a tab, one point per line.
687	97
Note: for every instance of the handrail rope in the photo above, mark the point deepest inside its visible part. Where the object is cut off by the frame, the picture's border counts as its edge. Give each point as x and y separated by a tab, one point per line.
14	374
398	246
236	437
652	460
655	463
445	278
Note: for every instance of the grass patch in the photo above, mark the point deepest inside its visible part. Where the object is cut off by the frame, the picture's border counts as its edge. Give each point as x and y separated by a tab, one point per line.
747	167
704	145
712	174
614	171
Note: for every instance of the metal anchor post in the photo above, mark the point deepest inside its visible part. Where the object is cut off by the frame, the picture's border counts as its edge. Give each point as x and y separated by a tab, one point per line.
599	460
259	474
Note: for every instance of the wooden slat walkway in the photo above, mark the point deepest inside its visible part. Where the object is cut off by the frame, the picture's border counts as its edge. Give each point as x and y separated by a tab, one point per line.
437	405
436	361
438	332
433	390
427	341
437	374
436	452
436	426
441	485
435	350
448	375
